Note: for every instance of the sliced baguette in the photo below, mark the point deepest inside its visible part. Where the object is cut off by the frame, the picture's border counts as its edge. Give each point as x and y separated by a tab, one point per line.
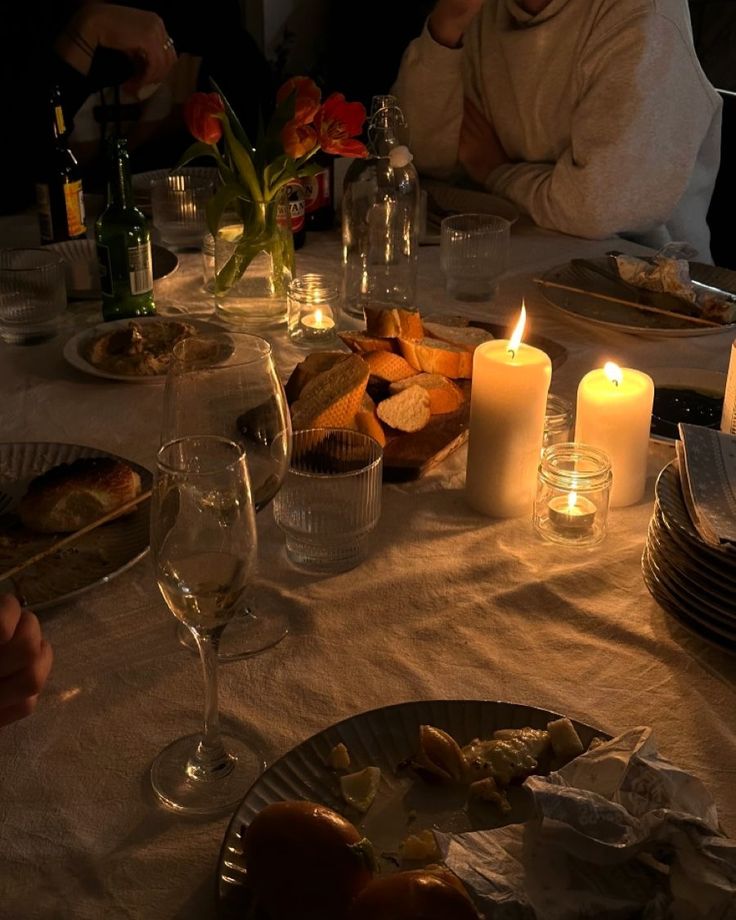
332	399
362	343
393	323
444	395
387	367
315	363
467	336
367	421
436	357
406	411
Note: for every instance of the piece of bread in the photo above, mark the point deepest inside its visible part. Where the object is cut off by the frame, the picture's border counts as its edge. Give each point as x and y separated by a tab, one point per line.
387	367
315	363
467	336
436	357
362	343
446	319
564	738
332	399
444	395
393	323
72	495
407	410
367	421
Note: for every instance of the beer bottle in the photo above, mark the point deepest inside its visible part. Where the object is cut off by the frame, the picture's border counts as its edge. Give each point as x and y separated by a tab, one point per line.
319	208
123	245
59	187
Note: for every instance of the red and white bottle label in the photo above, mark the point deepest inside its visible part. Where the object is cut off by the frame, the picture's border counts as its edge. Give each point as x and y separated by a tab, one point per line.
316	191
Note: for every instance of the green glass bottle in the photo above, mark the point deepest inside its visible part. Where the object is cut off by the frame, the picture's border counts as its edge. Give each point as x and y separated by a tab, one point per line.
123	245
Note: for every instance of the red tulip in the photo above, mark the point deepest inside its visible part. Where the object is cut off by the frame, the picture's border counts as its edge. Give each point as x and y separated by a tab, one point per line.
337	122
308	97
298	140
200	115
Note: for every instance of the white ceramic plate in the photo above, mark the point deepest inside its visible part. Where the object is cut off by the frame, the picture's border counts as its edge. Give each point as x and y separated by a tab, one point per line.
682	382
75	347
83	274
92	560
589	309
384	738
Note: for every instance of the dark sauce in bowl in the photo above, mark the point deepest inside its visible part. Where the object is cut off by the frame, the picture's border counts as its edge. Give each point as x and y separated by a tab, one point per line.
680	404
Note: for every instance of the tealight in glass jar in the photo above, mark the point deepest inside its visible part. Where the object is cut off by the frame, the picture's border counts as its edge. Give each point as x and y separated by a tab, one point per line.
557	421
313	303
573	492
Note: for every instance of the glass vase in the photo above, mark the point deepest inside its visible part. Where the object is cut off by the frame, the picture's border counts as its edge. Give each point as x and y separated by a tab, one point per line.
254	263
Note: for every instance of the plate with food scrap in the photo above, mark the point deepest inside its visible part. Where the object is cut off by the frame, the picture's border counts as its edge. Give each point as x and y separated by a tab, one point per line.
130	350
91	560
685	394
369	769
589	290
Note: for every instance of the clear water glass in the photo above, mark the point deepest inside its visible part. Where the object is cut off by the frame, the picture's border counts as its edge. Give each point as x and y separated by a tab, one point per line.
330	501
179	206
32	295
474	253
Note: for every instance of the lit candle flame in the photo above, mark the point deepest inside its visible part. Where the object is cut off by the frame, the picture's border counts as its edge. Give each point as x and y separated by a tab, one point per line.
613	372
318	317
516	335
572	499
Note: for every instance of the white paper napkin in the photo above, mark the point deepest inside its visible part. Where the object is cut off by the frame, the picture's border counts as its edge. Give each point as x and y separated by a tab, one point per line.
708	475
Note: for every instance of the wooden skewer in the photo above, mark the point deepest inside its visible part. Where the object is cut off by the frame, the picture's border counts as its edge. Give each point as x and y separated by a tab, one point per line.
72	537
628	303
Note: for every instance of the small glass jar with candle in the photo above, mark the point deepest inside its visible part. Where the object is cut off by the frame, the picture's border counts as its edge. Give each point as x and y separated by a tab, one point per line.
573	492
557	421
314	303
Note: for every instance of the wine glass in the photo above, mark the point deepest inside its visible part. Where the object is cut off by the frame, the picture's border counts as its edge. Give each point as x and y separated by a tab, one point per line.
203	543
226	384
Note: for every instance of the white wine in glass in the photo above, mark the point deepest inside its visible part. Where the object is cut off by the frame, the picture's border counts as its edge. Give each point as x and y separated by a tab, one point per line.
226	384
203	543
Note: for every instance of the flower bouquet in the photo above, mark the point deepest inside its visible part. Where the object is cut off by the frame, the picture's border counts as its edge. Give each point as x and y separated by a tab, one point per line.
247	217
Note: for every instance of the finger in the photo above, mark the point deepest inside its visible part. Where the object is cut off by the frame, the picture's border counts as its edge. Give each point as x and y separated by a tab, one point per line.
27	682
9	615
24	646
19	711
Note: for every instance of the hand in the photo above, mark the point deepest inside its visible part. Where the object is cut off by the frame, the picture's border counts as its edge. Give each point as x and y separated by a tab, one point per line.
139	34
450	19
25	660
479	150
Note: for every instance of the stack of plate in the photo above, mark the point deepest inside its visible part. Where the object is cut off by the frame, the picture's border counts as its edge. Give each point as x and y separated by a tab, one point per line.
691	580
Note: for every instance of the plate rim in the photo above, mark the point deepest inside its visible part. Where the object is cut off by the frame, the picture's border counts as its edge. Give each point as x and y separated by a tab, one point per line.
721	390
72	356
643	331
96	451
366	714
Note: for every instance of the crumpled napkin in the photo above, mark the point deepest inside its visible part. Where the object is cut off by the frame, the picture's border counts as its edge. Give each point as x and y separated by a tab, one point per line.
619	832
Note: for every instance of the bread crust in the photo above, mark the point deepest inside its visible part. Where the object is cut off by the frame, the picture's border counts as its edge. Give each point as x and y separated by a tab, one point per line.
332	398
70	496
436	357
393	323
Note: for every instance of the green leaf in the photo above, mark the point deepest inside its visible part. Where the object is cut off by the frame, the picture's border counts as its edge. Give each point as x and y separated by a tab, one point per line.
198	149
219	201
309	169
277	174
237	128
242	162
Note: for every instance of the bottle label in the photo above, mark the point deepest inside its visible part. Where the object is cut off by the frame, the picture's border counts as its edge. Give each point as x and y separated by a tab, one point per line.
295	202
140	269
74	200
45	220
316	191
103	260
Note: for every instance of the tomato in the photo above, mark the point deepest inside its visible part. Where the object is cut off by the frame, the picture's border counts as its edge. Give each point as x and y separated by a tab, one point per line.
421	894
305	861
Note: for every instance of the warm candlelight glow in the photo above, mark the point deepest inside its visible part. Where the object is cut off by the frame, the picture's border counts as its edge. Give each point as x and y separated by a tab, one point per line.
515	339
613	372
571	500
318	318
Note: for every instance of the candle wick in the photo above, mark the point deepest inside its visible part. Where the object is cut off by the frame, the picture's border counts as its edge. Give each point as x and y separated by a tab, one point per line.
512	352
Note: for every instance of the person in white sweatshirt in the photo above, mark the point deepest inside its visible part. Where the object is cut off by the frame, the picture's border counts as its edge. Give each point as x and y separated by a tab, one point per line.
593	116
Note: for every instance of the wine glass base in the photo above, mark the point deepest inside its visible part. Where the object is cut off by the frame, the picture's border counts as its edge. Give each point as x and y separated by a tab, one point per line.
247	634
185	794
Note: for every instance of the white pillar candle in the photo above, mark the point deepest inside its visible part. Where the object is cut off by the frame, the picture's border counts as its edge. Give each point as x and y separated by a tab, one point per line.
614	413
507	408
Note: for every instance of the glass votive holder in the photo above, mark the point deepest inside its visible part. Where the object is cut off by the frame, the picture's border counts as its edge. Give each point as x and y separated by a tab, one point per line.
557	421
573	492
313	303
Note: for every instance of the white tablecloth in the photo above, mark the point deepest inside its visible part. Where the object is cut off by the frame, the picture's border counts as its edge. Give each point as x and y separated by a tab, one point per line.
449	604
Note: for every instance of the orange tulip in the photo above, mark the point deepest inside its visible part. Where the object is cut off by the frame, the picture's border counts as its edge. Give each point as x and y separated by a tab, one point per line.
298	139
308	97
337	123
200	116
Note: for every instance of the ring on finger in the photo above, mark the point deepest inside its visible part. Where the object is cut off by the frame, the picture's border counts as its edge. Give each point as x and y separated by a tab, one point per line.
169	43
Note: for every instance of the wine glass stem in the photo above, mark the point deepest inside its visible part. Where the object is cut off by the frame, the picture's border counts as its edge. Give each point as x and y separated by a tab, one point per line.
210	758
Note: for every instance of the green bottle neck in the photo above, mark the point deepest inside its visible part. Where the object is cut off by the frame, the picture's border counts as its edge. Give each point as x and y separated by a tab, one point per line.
120	186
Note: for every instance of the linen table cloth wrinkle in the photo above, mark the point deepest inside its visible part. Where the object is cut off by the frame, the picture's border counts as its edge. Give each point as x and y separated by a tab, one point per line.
448	604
